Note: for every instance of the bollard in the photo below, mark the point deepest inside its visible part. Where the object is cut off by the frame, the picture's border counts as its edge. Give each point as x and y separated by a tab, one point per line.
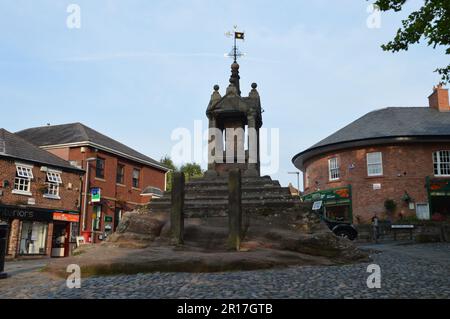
234	210
3	235
177	211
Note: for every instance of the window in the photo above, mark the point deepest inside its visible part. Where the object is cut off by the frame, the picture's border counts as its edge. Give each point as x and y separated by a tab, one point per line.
136	173
120	174
96	218
33	238
100	168
22	182
53	182
441	162
374	164
333	168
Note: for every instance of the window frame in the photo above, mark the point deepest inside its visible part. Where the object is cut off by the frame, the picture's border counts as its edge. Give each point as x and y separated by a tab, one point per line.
134	179
437	164
334	169
380	163
53	182
122	175
23	179
100	168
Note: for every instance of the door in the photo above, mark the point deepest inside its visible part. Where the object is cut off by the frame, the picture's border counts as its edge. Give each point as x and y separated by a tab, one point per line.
423	211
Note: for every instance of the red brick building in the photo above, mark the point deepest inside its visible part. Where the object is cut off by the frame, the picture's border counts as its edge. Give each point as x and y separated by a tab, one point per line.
123	177
39	199
396	155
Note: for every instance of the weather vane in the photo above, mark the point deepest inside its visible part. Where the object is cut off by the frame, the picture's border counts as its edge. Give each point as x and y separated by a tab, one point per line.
237	35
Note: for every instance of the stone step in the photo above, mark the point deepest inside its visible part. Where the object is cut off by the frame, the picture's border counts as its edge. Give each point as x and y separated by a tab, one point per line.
223	204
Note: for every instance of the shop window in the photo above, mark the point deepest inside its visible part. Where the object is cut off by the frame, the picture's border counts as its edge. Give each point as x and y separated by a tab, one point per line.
100	168
120	174
53	182
333	169
374	164
97	218
441	162
136	175
33	238
22	181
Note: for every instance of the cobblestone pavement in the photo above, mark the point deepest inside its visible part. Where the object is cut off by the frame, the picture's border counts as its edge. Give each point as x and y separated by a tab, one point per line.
408	271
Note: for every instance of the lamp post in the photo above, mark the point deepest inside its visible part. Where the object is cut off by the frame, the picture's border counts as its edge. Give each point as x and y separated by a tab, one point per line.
86	189
298	180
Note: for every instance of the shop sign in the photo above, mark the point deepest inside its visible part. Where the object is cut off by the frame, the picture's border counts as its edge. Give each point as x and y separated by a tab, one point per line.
24	214
65	217
335	195
439	188
95	195
108	219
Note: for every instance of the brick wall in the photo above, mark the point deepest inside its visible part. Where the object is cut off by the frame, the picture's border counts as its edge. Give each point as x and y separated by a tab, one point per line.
111	192
69	197
405	168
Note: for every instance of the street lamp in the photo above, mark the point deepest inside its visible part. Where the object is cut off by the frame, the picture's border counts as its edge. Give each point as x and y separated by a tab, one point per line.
86	188
298	180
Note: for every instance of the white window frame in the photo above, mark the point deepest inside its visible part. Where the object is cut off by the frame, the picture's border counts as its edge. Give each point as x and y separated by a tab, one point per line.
437	162
24	171
370	164
334	172
54	181
22	181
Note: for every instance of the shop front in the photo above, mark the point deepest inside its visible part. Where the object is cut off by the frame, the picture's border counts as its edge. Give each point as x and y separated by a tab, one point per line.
439	197
38	232
335	204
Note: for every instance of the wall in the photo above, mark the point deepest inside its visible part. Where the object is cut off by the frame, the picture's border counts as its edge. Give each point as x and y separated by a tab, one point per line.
114	194
69	197
405	168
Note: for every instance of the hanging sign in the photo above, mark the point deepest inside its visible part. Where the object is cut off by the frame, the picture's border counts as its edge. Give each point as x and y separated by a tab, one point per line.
95	195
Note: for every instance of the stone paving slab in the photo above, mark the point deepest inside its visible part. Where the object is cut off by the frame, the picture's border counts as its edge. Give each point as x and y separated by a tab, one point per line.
408	271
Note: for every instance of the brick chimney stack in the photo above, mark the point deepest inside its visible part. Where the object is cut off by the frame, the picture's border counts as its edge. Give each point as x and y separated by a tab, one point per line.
439	99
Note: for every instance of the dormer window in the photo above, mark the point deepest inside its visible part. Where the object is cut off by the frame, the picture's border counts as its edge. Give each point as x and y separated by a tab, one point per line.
22	181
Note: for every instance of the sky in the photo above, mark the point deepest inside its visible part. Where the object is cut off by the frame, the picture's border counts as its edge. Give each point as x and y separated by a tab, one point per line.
136	70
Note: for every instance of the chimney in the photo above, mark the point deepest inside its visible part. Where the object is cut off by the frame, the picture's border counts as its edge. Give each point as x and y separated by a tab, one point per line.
439	99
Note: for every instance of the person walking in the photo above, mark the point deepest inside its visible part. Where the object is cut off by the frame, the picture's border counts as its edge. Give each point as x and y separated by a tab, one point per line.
375	228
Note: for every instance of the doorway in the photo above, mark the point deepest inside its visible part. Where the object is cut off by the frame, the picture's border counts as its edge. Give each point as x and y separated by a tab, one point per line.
60	239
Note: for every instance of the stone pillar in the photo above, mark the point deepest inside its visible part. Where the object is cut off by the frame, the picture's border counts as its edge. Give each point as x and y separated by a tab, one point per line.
3	234
253	147
177	211
234	210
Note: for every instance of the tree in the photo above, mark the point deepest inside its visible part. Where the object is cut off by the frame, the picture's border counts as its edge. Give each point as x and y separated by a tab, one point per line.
431	22
191	170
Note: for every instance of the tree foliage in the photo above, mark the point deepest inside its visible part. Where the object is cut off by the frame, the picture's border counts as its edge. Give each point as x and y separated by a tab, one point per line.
190	170
431	22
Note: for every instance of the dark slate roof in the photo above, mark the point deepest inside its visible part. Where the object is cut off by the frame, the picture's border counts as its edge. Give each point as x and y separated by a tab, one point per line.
15	147
391	122
77	133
